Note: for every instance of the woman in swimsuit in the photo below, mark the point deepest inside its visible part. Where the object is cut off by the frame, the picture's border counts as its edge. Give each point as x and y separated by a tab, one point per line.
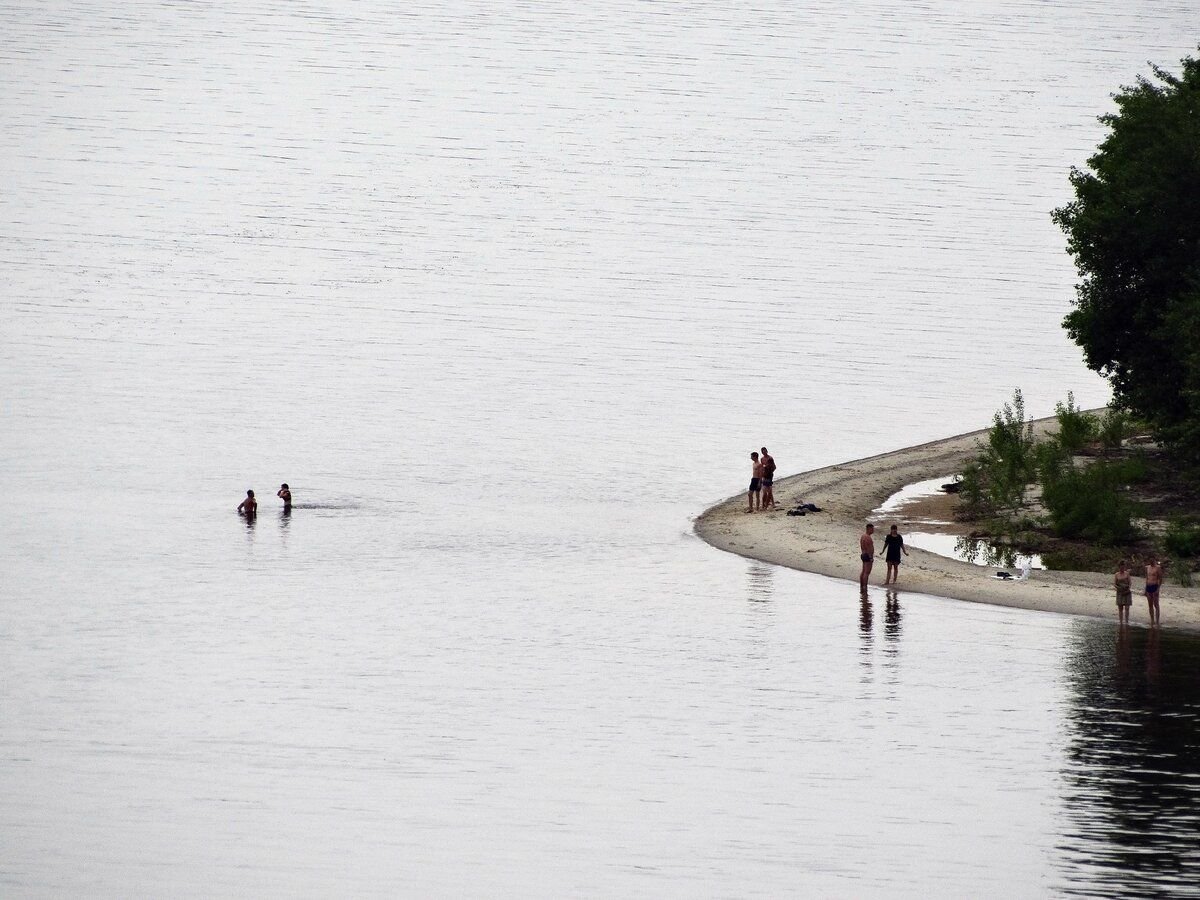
1124	592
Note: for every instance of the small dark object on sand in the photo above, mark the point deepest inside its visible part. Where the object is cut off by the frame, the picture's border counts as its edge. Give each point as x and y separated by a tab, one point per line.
803	509
952	487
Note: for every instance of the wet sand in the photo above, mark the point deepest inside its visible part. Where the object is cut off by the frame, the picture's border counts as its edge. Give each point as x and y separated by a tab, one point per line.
826	543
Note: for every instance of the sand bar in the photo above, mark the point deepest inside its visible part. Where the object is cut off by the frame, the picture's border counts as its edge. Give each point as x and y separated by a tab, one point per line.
827	542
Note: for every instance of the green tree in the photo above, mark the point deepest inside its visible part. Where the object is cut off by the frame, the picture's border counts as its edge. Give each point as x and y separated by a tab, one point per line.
1134	230
995	481
1075	427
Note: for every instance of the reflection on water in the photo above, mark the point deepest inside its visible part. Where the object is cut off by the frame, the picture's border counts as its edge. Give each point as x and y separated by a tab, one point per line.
1131	788
866	619
761	581
891	630
983	552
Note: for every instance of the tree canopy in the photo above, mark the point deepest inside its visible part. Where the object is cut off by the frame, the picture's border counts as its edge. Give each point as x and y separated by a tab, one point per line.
1134	230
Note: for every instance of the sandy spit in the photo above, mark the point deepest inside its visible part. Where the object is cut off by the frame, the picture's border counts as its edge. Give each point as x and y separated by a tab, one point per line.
827	542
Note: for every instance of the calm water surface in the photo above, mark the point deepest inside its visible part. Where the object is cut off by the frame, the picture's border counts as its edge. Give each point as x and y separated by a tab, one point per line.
507	294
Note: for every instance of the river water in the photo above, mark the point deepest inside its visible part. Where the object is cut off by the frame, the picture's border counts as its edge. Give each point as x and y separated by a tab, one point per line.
507	293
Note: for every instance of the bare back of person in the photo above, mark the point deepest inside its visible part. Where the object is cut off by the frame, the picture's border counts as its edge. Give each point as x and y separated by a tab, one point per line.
768	480
249	506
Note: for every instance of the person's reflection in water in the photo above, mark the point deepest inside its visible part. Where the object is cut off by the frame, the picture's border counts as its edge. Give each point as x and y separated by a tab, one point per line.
761	582
891	621
1153	657
1124	652
1130	785
251	521
866	655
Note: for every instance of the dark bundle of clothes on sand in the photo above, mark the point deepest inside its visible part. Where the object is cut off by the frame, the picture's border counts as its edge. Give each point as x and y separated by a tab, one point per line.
803	509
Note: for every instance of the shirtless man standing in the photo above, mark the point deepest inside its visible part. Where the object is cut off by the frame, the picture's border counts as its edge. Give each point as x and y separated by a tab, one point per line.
1154	575
249	506
866	552
285	494
768	480
754	497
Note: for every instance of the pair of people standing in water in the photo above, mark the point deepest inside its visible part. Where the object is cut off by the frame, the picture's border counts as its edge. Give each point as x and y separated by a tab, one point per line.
893	547
1121	581
249	506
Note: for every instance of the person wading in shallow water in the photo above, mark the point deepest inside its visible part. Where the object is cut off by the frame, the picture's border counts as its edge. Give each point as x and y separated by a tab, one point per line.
768	480
1154	575
285	494
754	496
866	552
249	506
1124	592
893	544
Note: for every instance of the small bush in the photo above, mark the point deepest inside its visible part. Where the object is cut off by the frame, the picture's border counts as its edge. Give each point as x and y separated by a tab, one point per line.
1087	503
1182	539
971	492
1050	461
1128	471
1114	428
1081	558
1076	429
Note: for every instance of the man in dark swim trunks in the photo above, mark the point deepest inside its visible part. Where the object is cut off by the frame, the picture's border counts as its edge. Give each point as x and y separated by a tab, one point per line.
1154	575
866	552
754	497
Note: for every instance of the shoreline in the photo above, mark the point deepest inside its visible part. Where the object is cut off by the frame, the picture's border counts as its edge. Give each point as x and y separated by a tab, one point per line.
826	543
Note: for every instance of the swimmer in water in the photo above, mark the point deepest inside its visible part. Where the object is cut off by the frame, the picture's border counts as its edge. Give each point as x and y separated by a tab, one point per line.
249	506
285	494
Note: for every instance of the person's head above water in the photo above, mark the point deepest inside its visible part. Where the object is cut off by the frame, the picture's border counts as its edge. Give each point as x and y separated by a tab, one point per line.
249	493
764	450
284	487
754	456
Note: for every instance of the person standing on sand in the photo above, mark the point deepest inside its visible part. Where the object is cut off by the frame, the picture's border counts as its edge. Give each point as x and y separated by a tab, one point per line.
754	497
285	494
1124	592
249	506
768	481
1154	575
893	544
866	552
